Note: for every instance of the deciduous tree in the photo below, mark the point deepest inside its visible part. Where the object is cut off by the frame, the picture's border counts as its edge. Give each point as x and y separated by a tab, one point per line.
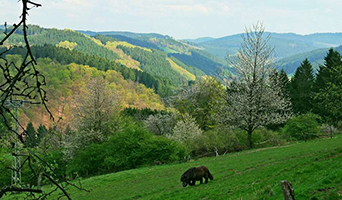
160	124
185	129
200	100
96	106
252	100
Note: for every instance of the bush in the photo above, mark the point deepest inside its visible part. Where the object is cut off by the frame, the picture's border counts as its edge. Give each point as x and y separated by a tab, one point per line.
135	147
5	175
128	149
160	124
89	161
217	142
302	127
185	129
263	137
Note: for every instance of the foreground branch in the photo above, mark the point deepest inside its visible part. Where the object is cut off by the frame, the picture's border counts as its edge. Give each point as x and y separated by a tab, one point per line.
6	189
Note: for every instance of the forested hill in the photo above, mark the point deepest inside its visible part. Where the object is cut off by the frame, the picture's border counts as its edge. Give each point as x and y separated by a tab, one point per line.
316	57
126	34
195	58
65	81
164	63
159	62
287	44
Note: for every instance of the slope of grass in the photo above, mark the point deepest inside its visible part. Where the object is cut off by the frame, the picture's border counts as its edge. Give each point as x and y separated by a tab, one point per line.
181	70
314	168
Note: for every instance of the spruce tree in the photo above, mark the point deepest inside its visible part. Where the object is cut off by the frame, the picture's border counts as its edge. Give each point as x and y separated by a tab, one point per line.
30	139
325	73
41	132
301	88
328	89
284	82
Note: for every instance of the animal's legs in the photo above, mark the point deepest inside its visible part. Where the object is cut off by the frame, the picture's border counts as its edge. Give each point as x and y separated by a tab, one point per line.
201	181
206	177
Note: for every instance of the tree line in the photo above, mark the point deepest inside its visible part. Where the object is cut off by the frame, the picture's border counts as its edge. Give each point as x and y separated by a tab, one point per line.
319	93
162	86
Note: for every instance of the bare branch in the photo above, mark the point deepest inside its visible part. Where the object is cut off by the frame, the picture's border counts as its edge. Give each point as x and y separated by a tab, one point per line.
6	189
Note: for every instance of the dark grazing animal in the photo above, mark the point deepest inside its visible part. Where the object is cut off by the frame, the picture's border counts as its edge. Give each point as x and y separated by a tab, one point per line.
196	174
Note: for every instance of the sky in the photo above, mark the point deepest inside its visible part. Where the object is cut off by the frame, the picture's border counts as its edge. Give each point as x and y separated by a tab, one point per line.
182	19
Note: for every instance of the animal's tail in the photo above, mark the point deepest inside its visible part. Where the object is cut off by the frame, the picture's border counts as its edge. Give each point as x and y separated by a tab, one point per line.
210	175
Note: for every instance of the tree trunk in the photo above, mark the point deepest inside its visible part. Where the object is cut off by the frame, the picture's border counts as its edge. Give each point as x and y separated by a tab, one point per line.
249	138
331	131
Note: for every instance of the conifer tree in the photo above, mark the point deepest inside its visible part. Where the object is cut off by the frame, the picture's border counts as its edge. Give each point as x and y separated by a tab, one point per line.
328	89
30	139
325	74
301	88
41	132
285	83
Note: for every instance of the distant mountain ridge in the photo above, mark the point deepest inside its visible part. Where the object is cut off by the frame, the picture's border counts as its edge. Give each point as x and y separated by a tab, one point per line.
290	48
189	58
315	57
286	44
124	33
200	40
187	52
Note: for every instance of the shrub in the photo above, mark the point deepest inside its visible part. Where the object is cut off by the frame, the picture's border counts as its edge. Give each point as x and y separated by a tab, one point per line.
5	175
160	124
263	137
130	148
217	142
88	161
135	147
185	130
302	127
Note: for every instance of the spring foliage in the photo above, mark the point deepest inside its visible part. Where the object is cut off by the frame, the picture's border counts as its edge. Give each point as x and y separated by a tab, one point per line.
252	99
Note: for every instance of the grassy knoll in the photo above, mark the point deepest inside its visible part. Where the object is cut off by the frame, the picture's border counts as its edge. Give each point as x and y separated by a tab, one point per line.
314	168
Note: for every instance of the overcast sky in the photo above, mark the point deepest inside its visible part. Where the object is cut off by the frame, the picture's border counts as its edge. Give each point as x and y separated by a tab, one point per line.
182	18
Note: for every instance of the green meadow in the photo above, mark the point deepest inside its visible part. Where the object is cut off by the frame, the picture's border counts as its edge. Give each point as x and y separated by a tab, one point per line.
314	168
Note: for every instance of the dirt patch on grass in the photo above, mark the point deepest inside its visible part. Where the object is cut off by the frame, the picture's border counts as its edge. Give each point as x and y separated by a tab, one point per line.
325	190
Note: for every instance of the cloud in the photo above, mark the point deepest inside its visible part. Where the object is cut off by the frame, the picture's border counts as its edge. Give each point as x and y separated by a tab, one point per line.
167	8
196	8
182	18
226	8
327	10
10	11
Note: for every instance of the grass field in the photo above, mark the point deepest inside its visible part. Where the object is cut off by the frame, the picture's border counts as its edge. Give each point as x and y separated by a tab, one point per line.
314	168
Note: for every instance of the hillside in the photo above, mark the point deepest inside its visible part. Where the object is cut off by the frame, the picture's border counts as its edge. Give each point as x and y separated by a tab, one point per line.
150	67
190	54
314	168
125	33
195	57
65	81
316	57
286	44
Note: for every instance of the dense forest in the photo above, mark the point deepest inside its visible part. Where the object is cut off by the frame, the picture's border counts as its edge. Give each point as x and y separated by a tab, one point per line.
98	51
66	56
